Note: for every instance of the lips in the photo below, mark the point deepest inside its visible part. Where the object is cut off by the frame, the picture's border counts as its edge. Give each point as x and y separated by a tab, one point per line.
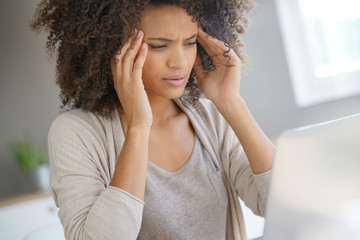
176	80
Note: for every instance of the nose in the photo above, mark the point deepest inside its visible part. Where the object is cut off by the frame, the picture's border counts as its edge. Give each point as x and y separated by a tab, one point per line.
177	58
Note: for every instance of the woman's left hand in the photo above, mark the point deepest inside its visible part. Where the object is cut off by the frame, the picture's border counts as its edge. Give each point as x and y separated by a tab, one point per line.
222	86
223	82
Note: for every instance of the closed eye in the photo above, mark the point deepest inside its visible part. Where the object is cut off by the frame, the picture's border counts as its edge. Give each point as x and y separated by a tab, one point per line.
191	44
157	46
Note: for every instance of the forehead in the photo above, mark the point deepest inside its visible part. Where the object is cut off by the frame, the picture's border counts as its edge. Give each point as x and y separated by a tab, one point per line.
166	21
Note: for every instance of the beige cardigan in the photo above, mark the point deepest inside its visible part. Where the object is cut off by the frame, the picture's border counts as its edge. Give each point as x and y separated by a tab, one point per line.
84	148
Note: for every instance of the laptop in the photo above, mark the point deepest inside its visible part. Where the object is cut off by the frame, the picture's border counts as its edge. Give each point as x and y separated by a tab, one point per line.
315	186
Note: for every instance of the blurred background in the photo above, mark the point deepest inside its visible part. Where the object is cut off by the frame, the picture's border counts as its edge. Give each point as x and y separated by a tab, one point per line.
279	95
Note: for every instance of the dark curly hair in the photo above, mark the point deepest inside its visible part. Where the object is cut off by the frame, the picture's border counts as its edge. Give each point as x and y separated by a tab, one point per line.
87	34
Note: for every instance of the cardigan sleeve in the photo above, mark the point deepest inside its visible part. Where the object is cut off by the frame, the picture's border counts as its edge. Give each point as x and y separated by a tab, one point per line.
251	188
88	207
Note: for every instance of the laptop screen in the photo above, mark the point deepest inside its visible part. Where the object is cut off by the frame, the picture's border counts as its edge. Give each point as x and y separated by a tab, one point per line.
315	188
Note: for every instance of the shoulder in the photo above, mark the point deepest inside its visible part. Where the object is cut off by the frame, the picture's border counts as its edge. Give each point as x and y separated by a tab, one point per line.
78	123
74	119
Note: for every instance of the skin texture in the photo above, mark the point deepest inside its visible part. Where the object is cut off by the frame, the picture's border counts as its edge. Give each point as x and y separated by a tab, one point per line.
150	118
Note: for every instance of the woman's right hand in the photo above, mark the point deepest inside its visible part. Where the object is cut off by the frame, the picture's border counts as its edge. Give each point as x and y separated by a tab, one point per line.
126	67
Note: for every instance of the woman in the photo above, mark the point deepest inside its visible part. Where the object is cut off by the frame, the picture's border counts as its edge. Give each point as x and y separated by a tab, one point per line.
142	154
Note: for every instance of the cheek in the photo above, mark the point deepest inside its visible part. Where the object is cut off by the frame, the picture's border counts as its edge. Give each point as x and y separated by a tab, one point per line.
155	63
149	68
152	69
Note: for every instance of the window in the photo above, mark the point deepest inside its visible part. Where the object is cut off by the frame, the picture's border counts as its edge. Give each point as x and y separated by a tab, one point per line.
322	43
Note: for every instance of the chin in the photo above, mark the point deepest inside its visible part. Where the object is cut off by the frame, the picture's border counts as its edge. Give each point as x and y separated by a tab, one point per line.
176	95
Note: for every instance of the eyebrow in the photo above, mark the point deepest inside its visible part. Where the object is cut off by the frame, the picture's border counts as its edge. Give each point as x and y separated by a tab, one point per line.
170	40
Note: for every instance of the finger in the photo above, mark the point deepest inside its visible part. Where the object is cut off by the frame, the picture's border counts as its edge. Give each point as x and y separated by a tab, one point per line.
198	70
139	63
132	51
116	59
212	46
120	53
217	50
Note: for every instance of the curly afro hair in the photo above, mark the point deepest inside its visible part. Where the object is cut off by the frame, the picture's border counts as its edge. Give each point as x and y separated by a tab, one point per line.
86	34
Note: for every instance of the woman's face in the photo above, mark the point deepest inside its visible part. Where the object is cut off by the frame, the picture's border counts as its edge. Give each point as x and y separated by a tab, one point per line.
171	38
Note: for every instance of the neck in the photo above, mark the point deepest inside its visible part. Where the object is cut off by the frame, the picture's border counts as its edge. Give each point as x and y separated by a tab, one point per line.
162	109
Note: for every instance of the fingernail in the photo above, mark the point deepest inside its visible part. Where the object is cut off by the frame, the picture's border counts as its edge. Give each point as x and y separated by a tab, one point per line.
139	34
135	33
143	46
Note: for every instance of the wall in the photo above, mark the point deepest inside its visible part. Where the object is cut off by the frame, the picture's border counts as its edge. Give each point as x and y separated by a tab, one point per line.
267	88
29	97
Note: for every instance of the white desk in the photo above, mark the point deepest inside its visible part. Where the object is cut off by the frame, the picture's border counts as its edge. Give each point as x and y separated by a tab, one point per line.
30	217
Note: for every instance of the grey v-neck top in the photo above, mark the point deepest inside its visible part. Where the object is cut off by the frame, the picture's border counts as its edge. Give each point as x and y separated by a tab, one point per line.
84	148
190	203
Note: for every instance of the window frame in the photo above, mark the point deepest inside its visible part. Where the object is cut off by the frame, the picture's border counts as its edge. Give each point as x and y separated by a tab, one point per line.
308	88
